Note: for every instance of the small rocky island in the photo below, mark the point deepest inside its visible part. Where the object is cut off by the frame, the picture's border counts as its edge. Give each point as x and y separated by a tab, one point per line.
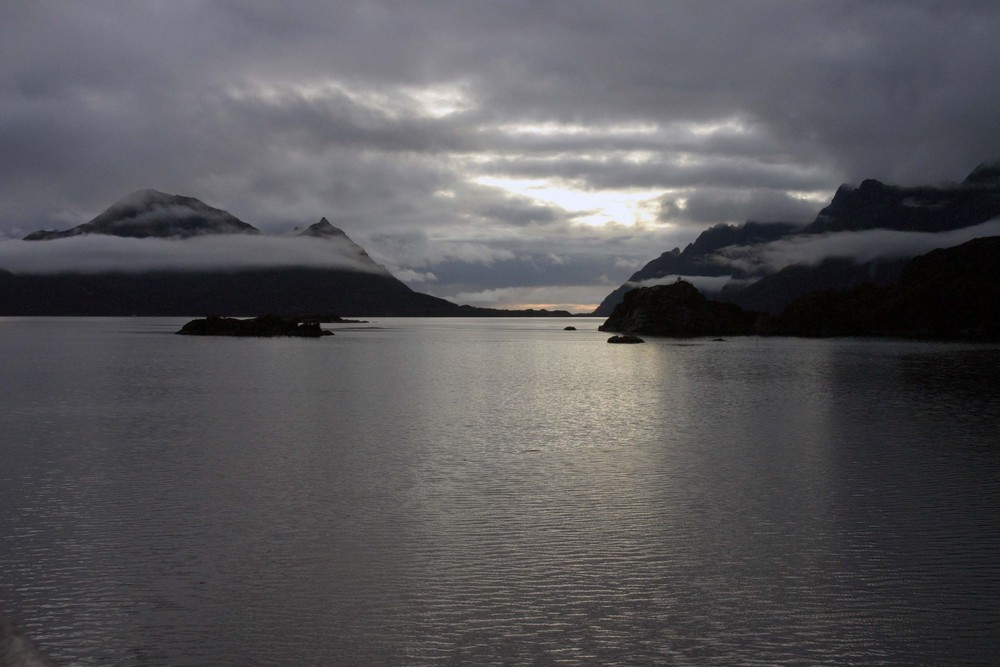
625	340
678	310
267	326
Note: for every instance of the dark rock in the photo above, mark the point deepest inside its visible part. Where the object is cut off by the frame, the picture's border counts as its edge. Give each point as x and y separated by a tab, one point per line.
267	326
678	310
625	339
569	328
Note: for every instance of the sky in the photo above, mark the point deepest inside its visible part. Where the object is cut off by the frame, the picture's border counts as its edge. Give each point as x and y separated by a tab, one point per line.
503	154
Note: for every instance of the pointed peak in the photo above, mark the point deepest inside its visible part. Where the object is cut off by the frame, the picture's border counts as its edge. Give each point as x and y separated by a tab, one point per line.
322	228
151	213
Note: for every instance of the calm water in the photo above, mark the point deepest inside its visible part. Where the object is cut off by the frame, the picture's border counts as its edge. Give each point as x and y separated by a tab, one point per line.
496	491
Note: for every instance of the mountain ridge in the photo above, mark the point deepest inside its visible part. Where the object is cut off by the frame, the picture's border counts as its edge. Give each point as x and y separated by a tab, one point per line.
946	294
357	286
868	207
151	213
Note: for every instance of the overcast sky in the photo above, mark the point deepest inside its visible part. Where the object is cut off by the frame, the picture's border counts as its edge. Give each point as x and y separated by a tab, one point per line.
495	153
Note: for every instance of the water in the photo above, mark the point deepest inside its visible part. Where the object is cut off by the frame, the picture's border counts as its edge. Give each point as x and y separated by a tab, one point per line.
496	492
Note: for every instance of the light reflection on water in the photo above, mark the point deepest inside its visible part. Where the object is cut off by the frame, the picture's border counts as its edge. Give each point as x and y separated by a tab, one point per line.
476	491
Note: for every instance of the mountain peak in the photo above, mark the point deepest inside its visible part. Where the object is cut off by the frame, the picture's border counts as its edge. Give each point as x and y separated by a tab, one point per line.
323	228
151	213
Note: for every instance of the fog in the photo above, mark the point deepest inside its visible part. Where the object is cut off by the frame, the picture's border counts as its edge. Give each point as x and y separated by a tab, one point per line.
95	253
707	285
862	246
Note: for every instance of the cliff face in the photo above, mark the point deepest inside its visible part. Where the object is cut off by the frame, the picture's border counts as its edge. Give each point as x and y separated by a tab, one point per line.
678	310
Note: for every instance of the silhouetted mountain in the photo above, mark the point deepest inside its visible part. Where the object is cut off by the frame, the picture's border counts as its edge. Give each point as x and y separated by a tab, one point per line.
875	205
281	291
949	294
149	213
870	206
774	292
698	258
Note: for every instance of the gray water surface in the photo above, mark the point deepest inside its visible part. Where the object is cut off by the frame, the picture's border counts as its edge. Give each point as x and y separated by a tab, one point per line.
496	492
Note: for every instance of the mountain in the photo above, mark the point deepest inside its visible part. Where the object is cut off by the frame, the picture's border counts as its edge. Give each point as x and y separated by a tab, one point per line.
149	213
949	294
872	206
350	283
875	205
324	230
698	258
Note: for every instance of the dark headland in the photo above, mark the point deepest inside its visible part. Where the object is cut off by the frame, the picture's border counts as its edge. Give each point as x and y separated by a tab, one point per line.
947	294
734	258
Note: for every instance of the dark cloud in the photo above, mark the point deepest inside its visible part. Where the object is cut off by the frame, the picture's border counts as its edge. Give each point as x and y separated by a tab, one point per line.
386	117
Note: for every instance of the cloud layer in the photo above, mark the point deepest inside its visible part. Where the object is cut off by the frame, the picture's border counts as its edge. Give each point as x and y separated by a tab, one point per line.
94	253
862	246
482	142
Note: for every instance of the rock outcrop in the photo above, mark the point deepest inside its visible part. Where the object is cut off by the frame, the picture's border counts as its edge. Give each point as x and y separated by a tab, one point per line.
678	310
625	339
267	326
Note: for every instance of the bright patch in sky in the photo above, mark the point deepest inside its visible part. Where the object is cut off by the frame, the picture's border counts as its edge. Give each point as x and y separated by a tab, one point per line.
593	207
440	101
435	101
564	128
